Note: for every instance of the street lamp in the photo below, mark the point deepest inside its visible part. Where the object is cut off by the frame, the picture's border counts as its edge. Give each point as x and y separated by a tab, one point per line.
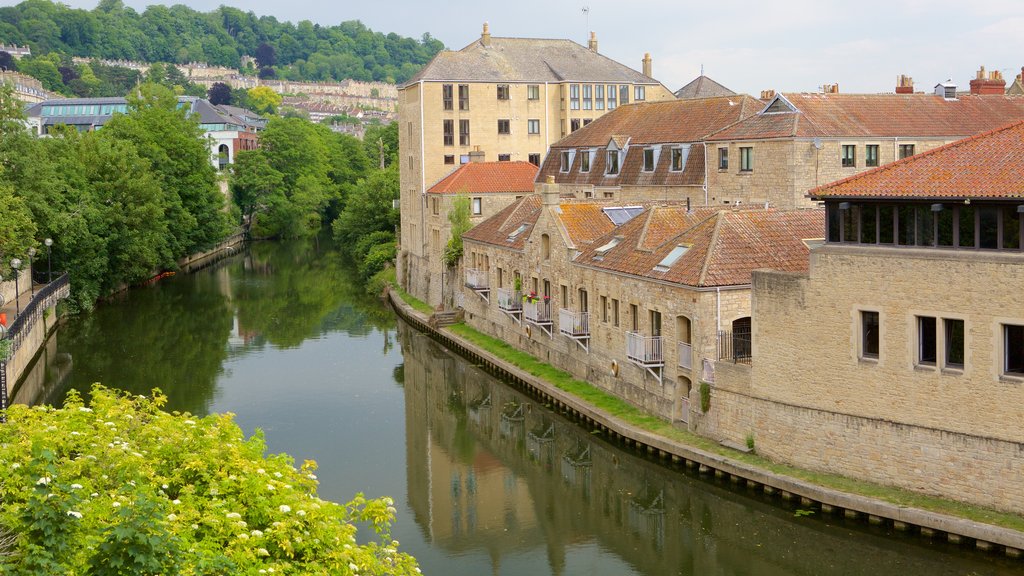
15	264
49	267
31	281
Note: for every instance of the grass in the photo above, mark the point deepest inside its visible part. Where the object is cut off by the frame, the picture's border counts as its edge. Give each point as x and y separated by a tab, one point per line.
620	409
417	304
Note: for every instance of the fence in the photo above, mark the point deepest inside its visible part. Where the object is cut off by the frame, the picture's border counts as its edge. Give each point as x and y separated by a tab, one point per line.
735	346
573	324
646	350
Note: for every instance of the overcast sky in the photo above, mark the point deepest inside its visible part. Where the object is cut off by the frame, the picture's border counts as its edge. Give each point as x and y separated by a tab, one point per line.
786	45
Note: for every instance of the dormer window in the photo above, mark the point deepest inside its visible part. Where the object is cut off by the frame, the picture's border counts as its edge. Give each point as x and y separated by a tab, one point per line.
650	159
612	165
677	160
585	161
566	160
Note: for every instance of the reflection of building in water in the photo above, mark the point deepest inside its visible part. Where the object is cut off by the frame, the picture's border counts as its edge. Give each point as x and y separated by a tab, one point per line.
492	472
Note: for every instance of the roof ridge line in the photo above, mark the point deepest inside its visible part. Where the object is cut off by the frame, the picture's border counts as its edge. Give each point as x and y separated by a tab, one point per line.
711	249
647	223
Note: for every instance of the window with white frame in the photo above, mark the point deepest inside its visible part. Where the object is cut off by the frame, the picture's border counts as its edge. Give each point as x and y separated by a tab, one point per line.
478	206
585	161
639	93
650	159
677	160
533	126
612	163
533	92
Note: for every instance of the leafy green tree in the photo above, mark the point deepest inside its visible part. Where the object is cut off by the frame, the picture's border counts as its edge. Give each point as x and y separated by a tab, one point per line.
219	93
370	207
458	216
381	142
264	100
256	185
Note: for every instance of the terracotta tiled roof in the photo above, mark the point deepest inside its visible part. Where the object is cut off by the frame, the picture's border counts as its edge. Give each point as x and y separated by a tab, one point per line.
526	60
723	247
488	177
879	115
989	165
670	121
497	229
702	87
584	222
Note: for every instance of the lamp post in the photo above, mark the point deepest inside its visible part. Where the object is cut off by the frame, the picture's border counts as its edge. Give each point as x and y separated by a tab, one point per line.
31	281
15	264
49	267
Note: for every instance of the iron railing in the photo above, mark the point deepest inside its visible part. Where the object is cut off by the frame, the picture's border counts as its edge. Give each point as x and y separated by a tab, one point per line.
645	350
476	279
574	324
537	311
685	354
510	300
735	346
44	299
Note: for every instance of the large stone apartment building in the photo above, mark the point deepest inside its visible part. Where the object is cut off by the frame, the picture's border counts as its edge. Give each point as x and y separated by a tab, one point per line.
899	356
502	99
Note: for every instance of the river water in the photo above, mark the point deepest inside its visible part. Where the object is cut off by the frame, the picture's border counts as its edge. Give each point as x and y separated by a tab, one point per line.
485	479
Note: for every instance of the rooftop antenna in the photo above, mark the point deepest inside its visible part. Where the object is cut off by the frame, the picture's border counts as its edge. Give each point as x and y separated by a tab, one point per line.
586	14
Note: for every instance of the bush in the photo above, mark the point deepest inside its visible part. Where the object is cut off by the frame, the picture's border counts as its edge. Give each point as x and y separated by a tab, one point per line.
121	487
705	397
379	257
375	285
365	243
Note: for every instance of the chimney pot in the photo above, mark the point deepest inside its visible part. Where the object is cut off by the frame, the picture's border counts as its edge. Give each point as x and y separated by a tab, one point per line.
647	64
904	84
485	37
592	43
767	94
988	82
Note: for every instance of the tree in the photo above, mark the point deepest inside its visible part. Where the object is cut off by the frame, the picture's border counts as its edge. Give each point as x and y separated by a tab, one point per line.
256	185
265	55
370	207
7	62
459	219
219	93
382	143
264	100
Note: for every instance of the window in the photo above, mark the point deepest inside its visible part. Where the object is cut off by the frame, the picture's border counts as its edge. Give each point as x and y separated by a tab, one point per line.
746	159
449	132
588	103
926	341
574	124
463	132
871	155
585	161
504	157
533	126
463	96
849	156
868	334
566	161
723	158
503	91
478	206
449	159
587	121
545	246
464	159
574	96
565	296
535	159
624	94
599	97
615	312
447	97
604	308
634	317
677	160
1013	349
611	96
954	332
434	206
905	151
639	93
582	301
648	159
533	92
613	162
504	127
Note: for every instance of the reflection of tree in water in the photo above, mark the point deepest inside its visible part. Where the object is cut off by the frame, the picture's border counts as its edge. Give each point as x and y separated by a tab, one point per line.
170	336
291	291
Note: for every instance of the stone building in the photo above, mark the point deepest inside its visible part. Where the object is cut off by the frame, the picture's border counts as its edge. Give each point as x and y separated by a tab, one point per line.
645	151
800	141
899	356
489	187
637	299
507	98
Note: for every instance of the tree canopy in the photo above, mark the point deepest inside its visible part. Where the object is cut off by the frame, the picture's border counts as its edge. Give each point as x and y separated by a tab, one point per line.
178	34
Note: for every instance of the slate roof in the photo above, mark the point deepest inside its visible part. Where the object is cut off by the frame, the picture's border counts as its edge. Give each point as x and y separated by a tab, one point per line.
488	177
526	60
989	165
723	246
703	87
878	115
208	113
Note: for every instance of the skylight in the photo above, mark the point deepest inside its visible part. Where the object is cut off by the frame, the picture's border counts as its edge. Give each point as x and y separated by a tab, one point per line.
600	252
517	232
619	215
671	258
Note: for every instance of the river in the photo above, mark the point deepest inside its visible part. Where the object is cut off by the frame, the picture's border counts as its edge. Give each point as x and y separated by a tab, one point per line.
485	479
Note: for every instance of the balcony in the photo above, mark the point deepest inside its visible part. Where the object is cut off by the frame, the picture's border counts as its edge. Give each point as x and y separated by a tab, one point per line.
538	313
646	352
511	302
685	355
735	346
575	325
478	281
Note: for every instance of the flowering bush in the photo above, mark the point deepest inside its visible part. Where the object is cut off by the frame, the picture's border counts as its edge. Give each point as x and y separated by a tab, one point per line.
121	487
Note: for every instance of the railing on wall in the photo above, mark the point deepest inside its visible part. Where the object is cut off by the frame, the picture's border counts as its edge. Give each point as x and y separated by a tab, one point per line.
735	346
645	350
685	355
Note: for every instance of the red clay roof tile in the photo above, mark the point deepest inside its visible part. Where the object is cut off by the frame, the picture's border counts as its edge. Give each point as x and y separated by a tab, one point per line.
488	177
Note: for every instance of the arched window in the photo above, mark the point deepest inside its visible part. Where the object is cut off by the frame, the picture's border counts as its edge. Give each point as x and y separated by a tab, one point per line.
741	344
223	156
545	246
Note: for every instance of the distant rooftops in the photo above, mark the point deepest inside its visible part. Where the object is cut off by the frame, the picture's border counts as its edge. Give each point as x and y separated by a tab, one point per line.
97	111
703	87
488	177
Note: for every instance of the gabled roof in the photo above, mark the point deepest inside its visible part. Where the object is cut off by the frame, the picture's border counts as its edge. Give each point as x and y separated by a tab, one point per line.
583	221
664	122
989	165
723	247
879	115
526	60
703	87
497	229
488	178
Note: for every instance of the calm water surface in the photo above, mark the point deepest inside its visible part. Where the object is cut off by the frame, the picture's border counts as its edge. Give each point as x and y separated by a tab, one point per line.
485	479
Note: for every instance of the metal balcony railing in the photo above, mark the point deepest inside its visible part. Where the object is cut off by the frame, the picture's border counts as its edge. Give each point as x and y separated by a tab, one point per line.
735	346
574	324
509	300
476	279
537	311
645	350
685	355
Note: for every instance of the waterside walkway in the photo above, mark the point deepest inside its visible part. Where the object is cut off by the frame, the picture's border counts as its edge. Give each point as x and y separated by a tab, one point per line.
903	518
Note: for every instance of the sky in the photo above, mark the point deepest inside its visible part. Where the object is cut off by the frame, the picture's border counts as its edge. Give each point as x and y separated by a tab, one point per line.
784	45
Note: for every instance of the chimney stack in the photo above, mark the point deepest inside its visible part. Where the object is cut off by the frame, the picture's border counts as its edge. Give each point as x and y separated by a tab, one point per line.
647	64
904	84
767	94
476	155
592	43
485	38
549	192
830	89
988	82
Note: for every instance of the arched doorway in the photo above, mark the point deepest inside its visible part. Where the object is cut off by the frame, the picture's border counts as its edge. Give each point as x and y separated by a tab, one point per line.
223	156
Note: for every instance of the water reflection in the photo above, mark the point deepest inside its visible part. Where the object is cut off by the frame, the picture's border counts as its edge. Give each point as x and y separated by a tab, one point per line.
492	472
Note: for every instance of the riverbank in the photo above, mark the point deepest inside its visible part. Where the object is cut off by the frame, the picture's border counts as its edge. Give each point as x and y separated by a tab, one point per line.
930	517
